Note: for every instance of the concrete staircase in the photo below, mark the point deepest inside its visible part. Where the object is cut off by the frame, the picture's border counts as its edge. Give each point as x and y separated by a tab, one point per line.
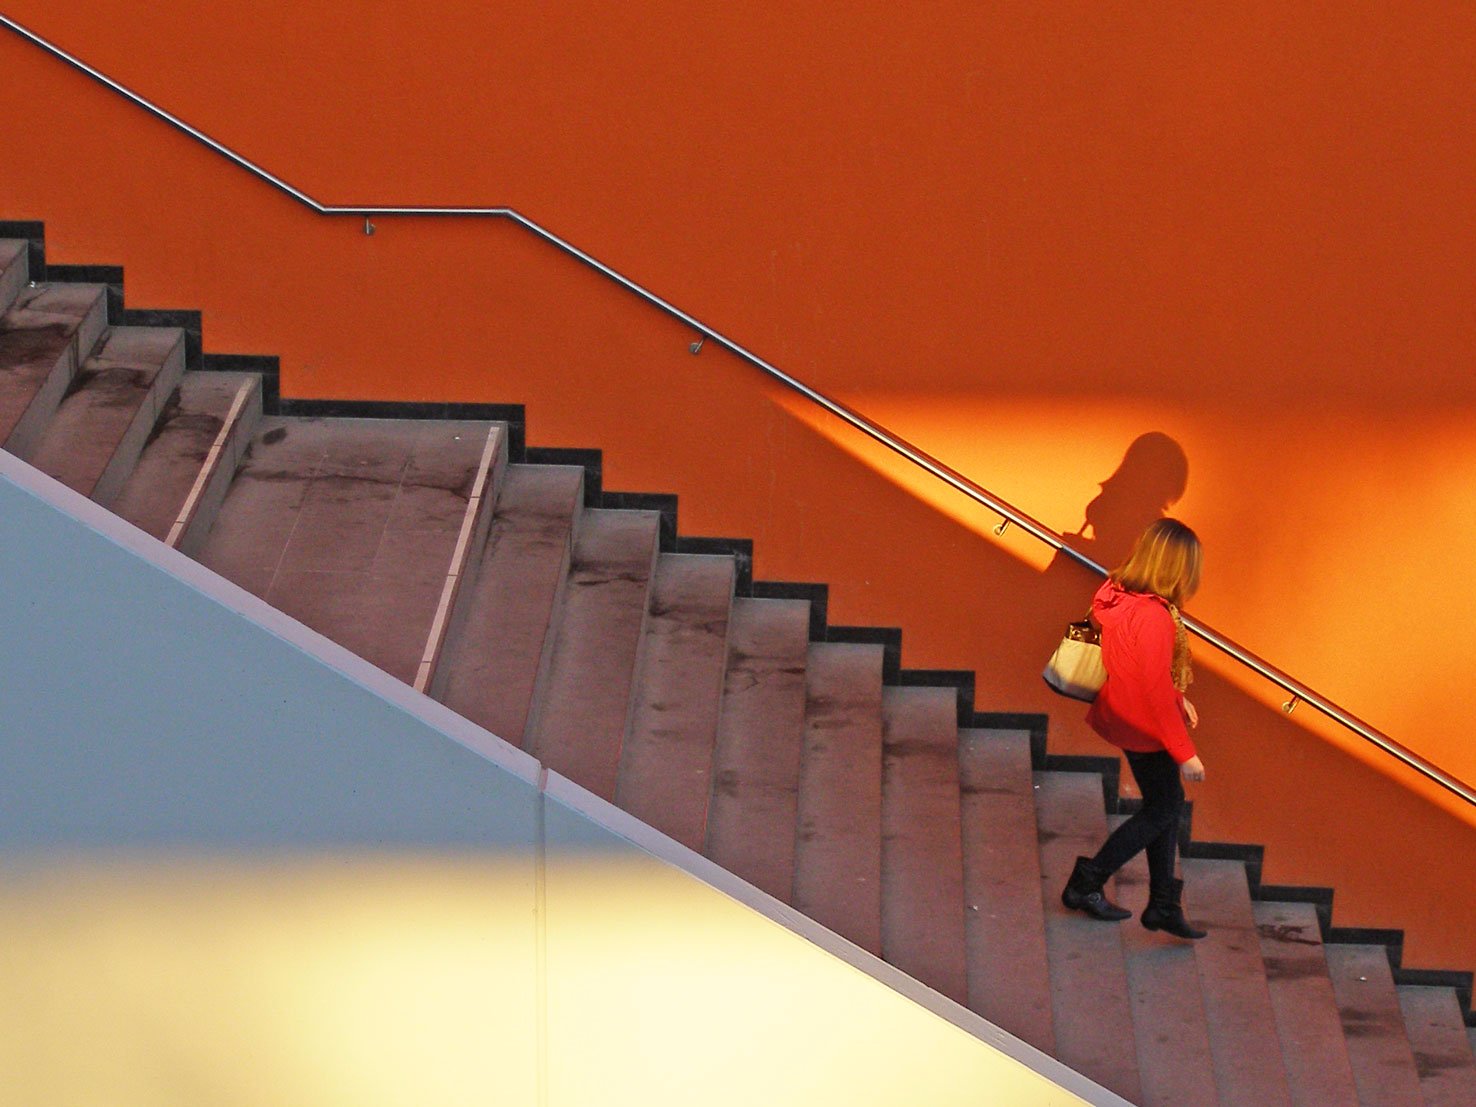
650	668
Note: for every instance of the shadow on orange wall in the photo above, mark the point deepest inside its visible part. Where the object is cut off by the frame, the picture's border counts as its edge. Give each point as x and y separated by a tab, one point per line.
1150	479
455	311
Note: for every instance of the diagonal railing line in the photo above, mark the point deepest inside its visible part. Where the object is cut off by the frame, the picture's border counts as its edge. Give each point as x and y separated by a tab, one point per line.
1009	515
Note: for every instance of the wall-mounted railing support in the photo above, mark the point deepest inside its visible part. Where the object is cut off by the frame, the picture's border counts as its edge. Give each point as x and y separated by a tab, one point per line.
696	347
1291	705
1004	525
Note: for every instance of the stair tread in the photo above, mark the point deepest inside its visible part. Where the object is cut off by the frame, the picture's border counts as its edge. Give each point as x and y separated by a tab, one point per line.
349	525
1090	1006
1237	999
922	842
1008	971
498	655
1373	1025
756	764
837	865
1442	1049
665	774
14	270
1312	1044
1175	1058
169	465
115	399
39	340
586	706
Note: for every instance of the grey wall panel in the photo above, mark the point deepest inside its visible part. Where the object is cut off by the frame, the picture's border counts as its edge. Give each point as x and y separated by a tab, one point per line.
139	709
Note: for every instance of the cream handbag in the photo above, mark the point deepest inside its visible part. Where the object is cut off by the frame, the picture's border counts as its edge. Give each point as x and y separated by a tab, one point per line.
1076	668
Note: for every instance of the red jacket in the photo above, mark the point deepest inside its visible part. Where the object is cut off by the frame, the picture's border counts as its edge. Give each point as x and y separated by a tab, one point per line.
1138	708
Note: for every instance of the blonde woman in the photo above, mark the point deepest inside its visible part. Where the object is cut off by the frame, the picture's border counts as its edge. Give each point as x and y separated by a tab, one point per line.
1142	710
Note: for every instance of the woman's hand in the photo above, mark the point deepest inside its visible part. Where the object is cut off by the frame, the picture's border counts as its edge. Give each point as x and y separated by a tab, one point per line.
1190	715
1193	769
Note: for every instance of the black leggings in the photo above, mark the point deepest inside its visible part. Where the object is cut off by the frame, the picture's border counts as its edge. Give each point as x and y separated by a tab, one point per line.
1155	827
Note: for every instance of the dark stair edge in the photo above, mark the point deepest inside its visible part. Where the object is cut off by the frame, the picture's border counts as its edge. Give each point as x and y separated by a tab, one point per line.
890	638
33	231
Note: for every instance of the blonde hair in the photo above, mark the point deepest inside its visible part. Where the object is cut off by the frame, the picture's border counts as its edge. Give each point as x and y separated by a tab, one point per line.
1165	561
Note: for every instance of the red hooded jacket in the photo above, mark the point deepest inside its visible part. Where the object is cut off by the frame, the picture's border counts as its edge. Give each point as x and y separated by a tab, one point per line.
1138	708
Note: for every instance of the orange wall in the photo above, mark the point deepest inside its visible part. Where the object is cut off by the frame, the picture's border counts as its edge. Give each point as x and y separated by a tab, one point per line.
1022	237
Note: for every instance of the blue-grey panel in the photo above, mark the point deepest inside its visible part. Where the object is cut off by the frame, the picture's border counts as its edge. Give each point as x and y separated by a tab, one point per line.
136	710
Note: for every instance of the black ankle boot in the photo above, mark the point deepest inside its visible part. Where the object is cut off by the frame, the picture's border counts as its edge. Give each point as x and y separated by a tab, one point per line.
1164	913
1083	892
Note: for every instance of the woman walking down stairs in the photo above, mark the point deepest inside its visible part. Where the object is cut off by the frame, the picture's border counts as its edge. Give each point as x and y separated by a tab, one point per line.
726	712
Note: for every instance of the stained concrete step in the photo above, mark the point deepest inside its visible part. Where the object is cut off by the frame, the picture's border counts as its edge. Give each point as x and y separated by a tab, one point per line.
1312	1044
499	657
665	776
176	457
44	337
350	526
1373	1024
1442	1050
837	864
1237	1000
99	430
1175	1059
922	841
756	764
14	270
585	709
1004	924
1090	1005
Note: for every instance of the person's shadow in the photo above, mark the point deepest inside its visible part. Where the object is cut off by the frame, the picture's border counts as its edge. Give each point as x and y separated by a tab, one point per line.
1152	476
1150	479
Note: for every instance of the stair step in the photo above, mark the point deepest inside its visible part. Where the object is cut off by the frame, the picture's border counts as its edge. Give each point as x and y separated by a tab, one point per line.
350	525
756	765
1312	1044
1442	1050
837	864
1175	1059
665	776
44	337
1237	999
97	433
922	842
1090	1008
496	660
14	270
1009	974
585	710
1373	1024
171	463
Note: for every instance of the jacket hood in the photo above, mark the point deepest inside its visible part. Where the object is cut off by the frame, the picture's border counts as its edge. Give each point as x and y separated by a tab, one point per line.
1113	601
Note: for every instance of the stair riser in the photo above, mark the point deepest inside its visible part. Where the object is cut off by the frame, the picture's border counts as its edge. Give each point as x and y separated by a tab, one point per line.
837	868
125	457
25	437
588	700
203	512
754	802
1009	974
541	678
922	842
1306	1011
1378	1043
13	278
1090	1003
666	766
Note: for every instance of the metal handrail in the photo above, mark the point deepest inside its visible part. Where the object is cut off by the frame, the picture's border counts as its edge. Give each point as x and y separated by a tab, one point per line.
1008	514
